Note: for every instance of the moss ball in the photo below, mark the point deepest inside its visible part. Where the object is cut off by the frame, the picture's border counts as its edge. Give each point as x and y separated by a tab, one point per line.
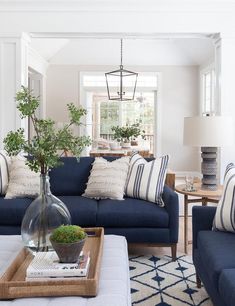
68	234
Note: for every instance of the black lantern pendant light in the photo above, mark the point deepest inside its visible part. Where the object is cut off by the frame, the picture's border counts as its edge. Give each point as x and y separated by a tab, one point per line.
121	83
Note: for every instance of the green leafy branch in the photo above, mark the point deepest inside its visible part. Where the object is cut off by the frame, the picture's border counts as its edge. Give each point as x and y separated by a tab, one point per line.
44	146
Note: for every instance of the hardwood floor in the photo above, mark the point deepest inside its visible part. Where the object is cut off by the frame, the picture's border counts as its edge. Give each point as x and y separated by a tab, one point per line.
161	250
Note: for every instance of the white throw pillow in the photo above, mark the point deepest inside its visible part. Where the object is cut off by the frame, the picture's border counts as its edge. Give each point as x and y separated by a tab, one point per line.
225	213
23	182
146	179
107	179
5	162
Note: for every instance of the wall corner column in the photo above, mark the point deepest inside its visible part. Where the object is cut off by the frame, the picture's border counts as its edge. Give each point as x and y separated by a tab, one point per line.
13	74
225	92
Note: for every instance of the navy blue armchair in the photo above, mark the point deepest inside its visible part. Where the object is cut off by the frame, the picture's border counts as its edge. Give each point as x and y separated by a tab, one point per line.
213	257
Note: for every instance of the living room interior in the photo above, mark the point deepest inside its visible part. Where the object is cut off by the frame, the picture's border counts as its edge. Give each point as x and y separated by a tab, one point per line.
148	242
172	64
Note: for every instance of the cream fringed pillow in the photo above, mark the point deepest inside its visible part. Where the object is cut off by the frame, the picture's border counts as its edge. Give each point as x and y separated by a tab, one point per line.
23	182
107	179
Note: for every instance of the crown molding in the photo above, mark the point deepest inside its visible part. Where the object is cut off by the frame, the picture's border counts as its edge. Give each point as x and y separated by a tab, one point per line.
103	35
151	6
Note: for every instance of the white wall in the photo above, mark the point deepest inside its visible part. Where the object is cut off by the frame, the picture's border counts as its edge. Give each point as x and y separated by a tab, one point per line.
178	97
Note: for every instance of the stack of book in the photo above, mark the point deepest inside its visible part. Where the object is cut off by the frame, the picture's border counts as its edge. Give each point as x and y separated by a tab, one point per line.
46	266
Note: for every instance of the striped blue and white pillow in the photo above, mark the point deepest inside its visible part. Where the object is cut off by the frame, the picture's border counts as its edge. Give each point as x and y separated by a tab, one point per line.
146	179
4	172
225	213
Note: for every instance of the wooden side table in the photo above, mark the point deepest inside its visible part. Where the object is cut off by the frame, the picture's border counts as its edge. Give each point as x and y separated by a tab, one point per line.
203	196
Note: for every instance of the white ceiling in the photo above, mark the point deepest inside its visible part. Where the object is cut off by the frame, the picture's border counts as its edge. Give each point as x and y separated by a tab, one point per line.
92	51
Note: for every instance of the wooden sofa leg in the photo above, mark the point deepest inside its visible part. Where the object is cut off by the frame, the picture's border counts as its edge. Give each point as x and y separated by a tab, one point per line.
173	252
199	282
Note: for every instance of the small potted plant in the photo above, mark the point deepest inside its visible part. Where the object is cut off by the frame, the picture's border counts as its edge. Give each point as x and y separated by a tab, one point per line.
126	134
68	241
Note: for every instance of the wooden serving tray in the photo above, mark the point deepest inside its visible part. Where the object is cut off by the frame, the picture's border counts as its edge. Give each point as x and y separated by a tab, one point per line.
13	284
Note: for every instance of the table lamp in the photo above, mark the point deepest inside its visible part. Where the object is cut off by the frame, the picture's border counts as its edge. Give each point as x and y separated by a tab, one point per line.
209	133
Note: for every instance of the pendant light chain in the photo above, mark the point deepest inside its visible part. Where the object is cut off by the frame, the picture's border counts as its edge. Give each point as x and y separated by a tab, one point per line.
121	52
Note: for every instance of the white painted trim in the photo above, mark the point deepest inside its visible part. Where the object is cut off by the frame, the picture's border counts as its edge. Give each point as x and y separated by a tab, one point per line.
127	35
180	6
37	62
14	77
203	70
158	117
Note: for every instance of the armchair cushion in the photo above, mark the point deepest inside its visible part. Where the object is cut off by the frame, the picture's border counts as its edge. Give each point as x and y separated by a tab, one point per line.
217	252
202	220
227	286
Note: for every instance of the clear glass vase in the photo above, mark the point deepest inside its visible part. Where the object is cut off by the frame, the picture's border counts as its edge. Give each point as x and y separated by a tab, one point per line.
43	215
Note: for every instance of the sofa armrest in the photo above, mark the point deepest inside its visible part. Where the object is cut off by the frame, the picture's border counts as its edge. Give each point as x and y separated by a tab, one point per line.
170	180
203	217
171	201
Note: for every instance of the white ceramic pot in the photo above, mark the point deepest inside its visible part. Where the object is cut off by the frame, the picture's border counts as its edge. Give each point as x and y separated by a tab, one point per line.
125	144
114	145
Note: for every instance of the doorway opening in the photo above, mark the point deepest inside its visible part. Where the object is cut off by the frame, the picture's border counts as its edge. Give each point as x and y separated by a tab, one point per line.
103	114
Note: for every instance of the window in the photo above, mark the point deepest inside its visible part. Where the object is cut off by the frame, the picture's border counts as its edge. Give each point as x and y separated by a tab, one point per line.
208	87
107	114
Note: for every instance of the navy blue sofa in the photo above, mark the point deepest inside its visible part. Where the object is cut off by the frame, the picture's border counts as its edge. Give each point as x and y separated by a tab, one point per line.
214	257
139	221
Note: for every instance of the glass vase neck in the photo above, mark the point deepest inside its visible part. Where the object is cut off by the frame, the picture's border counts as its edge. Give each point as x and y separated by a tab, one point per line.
45	184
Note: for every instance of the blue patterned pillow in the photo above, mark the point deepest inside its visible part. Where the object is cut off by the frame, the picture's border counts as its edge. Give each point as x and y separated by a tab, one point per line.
225	213
146	180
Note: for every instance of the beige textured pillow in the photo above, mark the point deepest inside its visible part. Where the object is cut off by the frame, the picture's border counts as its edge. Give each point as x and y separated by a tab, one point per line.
107	179
23	182
5	162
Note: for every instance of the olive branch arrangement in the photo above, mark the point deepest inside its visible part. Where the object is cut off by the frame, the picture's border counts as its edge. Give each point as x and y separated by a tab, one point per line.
48	140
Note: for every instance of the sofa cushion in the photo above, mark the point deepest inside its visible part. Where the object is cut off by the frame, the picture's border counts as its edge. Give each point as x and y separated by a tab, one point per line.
23	182
4	171
217	250
13	210
146	179
107	179
131	213
227	286
71	178
82	210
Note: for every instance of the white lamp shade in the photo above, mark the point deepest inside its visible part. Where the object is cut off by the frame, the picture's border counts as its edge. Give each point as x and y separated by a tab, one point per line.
208	131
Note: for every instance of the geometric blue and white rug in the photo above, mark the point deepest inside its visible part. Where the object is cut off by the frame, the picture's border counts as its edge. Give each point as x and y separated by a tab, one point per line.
157	281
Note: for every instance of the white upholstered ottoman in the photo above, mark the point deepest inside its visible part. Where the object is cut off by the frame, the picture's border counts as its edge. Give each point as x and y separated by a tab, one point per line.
114	285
